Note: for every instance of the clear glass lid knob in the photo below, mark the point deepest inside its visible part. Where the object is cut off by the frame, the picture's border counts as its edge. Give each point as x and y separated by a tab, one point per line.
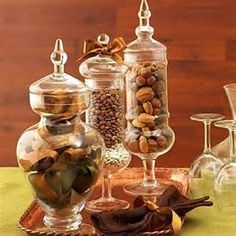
103	39
59	57
144	16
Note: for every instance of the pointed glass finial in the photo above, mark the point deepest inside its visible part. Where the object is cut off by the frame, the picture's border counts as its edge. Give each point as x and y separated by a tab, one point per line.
58	57
144	16
144	13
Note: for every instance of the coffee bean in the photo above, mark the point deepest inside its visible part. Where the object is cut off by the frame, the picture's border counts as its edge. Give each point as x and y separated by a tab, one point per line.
107	115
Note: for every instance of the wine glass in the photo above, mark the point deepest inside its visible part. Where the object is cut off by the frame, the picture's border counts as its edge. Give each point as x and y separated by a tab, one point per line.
225	181
205	167
116	159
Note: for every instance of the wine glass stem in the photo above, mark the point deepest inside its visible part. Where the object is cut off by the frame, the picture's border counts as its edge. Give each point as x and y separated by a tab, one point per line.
207	137
232	145
106	187
149	178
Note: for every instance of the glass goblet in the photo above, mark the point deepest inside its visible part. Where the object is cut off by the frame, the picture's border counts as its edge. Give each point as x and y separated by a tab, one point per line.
225	181
205	167
116	159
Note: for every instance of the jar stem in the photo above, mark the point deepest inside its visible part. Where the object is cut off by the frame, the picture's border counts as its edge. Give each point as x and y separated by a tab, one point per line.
106	187
149	178
207	136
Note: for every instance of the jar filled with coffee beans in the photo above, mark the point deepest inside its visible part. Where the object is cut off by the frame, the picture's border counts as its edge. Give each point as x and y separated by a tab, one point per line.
148	135
105	78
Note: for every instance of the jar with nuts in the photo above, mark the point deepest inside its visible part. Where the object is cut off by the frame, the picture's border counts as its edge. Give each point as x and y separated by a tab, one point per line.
61	156
105	78
148	133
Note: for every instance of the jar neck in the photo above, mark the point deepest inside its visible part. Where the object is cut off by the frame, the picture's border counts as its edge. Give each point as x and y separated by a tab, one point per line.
52	120
144	32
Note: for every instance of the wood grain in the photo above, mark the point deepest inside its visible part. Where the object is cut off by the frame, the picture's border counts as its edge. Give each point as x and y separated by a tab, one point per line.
201	40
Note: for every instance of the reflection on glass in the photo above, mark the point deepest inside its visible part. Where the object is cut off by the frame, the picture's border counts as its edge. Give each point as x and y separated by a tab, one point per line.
225	181
204	168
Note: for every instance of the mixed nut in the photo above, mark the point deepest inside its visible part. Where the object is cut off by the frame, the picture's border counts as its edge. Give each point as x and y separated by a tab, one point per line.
147	112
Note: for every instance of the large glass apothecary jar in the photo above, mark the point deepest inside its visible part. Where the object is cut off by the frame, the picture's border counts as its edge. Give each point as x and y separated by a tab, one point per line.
148	135
61	156
105	78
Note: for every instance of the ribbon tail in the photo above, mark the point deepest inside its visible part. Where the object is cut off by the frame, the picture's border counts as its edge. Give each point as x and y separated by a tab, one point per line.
87	55
117	45
116	57
176	223
90	45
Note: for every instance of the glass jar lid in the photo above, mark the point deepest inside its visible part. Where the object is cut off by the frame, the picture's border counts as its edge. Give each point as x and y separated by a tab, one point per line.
54	93
102	65
145	41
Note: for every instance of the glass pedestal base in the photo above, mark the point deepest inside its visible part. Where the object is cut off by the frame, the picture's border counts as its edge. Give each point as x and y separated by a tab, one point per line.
106	204
138	189
69	224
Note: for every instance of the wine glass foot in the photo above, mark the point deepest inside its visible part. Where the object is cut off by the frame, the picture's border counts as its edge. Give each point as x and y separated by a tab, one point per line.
106	204
138	189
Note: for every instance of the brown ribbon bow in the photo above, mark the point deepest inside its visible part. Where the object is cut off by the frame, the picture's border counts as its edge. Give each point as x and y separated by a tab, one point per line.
176	220
113	49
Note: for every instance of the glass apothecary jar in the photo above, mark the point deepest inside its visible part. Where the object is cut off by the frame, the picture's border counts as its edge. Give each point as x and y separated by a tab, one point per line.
148	135
61	156
105	78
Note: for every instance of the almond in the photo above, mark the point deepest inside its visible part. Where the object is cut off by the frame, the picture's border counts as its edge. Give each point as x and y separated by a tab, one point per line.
147	106
146	118
143	144
145	94
145	129
138	123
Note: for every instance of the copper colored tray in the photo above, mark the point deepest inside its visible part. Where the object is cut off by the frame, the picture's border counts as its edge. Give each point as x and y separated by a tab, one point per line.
32	220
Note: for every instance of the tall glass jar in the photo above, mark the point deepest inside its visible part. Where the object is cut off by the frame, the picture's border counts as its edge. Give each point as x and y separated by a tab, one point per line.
61	155
106	113
148	135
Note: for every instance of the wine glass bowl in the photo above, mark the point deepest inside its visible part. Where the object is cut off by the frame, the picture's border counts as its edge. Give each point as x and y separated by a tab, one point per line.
225	181
115	159
149	144
205	167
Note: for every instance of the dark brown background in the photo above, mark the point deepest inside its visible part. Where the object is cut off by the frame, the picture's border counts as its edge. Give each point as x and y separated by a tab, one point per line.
201	40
